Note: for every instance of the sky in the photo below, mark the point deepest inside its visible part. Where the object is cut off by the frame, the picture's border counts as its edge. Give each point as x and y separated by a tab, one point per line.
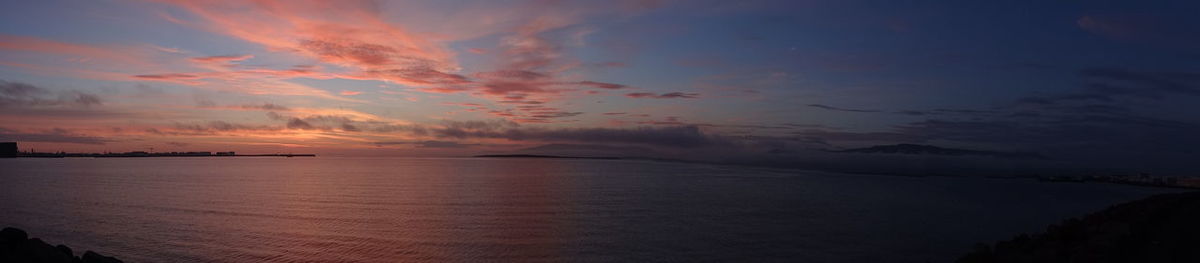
1096	84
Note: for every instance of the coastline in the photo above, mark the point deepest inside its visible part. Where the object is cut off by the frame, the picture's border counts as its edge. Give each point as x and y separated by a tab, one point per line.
16	246
1160	228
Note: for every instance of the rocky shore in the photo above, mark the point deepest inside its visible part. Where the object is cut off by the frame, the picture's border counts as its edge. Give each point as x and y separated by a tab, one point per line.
1162	228
17	247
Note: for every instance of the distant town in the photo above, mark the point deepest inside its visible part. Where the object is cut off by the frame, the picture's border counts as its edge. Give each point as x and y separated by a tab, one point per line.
10	150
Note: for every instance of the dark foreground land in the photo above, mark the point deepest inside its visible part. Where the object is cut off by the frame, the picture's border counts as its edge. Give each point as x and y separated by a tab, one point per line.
17	247
1162	228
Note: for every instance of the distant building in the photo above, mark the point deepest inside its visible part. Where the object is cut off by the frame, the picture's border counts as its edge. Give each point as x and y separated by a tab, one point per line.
8	150
226	153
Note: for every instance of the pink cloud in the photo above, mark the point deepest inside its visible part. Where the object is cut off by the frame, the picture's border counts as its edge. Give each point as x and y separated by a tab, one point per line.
345	33
443	89
355	35
109	63
40	45
463	104
222	59
522	75
168	76
534	102
61	71
349	93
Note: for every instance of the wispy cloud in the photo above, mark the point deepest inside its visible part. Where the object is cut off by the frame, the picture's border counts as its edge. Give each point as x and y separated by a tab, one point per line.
55	135
81	52
669	95
832	108
222	59
675	136
428	144
346	33
16	94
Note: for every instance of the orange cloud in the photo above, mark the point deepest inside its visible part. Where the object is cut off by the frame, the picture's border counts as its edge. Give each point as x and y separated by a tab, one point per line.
530	61
222	59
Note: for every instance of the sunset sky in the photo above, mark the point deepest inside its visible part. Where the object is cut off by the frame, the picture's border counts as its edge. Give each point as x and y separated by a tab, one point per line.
1092	80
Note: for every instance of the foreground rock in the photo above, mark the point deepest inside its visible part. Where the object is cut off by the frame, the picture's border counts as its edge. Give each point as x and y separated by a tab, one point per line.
1162	228
17	247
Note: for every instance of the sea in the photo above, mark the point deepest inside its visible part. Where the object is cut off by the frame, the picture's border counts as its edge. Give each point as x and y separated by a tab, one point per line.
333	209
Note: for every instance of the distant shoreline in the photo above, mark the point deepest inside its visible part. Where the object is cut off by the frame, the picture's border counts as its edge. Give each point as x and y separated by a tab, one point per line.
122	155
545	156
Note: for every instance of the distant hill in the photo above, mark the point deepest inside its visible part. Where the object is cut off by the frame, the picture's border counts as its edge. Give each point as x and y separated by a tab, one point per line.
584	150
934	150
544	156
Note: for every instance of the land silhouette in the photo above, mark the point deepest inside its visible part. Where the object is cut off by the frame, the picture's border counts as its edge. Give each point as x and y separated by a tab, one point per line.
906	148
1162	228
17	247
10	150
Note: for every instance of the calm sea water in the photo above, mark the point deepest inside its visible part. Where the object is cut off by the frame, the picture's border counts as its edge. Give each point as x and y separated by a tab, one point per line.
469	210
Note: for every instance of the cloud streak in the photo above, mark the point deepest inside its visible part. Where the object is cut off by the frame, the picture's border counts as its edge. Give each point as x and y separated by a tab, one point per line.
346	33
674	136
669	95
17	94
56	135
832	108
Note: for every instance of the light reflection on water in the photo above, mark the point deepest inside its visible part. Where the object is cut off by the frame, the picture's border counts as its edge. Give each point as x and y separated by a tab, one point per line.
463	209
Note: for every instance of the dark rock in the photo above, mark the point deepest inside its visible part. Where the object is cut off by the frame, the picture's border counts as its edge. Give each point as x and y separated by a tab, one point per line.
92	257
64	249
17	247
9	234
1162	228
